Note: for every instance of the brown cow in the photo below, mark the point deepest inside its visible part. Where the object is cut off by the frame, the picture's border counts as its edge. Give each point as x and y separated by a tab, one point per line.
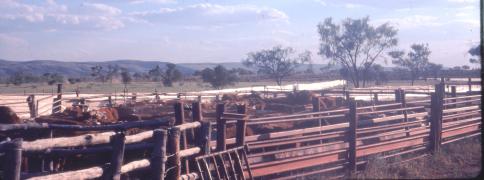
8	116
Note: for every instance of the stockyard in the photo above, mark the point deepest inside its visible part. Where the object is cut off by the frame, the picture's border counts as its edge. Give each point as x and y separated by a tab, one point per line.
298	131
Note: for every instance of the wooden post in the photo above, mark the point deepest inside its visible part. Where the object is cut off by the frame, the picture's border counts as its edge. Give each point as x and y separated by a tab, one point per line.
12	160
221	127
316	104
77	92
353	119
179	120
397	95
205	137
453	93
404	105
435	136
174	161
117	156
158	155
241	126
469	84
32	106
56	107
178	95
110	101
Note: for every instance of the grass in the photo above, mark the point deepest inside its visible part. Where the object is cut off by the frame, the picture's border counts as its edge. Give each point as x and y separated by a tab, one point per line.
460	159
97	87
144	87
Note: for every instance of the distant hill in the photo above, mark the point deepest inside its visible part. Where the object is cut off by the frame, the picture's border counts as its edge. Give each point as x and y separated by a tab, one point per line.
79	69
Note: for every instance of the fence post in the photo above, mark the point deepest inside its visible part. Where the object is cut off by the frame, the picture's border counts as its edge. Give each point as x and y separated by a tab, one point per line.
13	159
179	120
174	150
405	113
375	97
117	156
353	118
241	126
453	93
469	84
158	156
221	127
110	101
397	95
436	112
157	96
56	107
32	103
205	137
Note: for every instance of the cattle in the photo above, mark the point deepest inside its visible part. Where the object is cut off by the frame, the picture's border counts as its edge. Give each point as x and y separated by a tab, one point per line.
8	116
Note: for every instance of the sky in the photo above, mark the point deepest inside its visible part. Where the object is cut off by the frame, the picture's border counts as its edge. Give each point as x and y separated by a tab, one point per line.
191	31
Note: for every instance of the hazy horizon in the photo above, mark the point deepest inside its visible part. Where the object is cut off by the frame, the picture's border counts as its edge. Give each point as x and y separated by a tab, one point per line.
219	31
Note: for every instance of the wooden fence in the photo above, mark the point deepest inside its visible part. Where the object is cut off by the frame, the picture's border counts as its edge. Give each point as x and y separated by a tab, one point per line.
317	142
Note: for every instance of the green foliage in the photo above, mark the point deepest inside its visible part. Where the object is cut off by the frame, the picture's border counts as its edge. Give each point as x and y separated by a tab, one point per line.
125	76
355	44
475	51
53	78
74	80
277	62
415	61
168	75
219	76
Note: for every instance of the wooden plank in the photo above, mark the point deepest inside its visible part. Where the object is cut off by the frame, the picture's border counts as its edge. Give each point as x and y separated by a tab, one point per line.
460	131
293	165
158	155
388	147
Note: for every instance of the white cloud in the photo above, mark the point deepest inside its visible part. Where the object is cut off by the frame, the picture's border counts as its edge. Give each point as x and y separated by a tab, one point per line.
212	14
50	15
462	1
413	21
352	5
323	3
152	1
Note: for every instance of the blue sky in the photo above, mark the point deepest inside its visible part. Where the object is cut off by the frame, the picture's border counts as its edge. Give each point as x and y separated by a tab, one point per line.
185	31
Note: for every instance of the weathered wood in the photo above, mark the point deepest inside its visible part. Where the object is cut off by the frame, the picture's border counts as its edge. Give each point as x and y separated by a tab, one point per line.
453	94
135	165
180	120
56	106
241	126
12	159
375	97
89	173
187	126
435	122
117	157
205	137
174	162
221	128
158	155
32	106
353	119
398	95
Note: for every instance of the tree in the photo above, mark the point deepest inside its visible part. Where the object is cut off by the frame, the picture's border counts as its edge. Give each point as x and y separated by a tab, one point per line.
433	70
277	62
53	78
416	60
98	73
219	76
466	67
125	77
355	44
168	76
376	73
112	72
475	51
